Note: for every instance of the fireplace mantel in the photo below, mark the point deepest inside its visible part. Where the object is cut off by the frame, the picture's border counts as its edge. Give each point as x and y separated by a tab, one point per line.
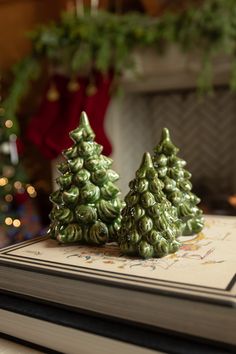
172	71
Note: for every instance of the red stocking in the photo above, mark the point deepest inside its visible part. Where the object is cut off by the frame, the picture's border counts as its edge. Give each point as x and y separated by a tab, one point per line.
96	105
48	114
58	138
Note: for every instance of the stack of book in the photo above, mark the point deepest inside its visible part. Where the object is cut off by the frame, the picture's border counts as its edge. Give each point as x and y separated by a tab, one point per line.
80	299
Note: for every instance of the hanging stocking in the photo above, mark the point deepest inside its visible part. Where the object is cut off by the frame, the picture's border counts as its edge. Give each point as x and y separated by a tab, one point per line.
58	138
48	114
20	146
96	103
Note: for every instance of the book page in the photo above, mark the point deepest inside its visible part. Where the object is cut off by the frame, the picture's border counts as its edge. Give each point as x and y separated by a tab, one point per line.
207	259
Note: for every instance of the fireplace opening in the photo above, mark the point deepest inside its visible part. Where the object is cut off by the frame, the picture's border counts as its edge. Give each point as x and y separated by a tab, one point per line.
204	129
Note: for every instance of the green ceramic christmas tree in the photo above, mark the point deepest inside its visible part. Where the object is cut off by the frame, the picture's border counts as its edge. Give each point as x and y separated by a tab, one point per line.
86	207
149	225
177	185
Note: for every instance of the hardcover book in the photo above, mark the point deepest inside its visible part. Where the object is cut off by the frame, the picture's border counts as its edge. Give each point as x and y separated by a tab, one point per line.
55	328
191	291
65	331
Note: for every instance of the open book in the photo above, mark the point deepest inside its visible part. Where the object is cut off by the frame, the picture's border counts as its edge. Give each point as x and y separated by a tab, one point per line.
191	291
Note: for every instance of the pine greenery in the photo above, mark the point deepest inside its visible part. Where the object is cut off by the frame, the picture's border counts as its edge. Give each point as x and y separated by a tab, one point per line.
87	42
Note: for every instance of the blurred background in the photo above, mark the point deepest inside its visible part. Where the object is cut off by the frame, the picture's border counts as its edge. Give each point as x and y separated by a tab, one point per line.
135	66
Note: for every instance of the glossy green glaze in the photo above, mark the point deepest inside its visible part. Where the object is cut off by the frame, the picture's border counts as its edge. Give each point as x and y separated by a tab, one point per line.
86	207
177	187
149	224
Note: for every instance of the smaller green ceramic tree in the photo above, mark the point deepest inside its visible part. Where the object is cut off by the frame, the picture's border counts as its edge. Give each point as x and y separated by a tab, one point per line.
86	207
149	224
177	185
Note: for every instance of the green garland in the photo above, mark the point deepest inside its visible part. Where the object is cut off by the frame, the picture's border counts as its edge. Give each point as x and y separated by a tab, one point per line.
106	39
25	71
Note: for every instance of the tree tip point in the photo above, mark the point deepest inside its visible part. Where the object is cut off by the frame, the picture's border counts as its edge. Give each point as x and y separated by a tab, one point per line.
84	118
147	160
165	134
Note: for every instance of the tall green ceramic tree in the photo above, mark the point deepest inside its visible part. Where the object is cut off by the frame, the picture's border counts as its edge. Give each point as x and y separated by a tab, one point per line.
86	207
177	185
149	224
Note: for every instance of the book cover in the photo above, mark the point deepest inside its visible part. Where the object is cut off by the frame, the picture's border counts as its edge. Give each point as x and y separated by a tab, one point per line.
35	322
191	291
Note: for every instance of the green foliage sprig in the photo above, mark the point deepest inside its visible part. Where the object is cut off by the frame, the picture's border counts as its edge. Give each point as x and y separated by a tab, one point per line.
105	40
25	71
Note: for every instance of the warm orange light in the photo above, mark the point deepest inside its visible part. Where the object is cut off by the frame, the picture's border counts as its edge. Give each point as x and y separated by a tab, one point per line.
9	123
232	200
31	190
18	185
9	198
16	223
8	221
3	181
